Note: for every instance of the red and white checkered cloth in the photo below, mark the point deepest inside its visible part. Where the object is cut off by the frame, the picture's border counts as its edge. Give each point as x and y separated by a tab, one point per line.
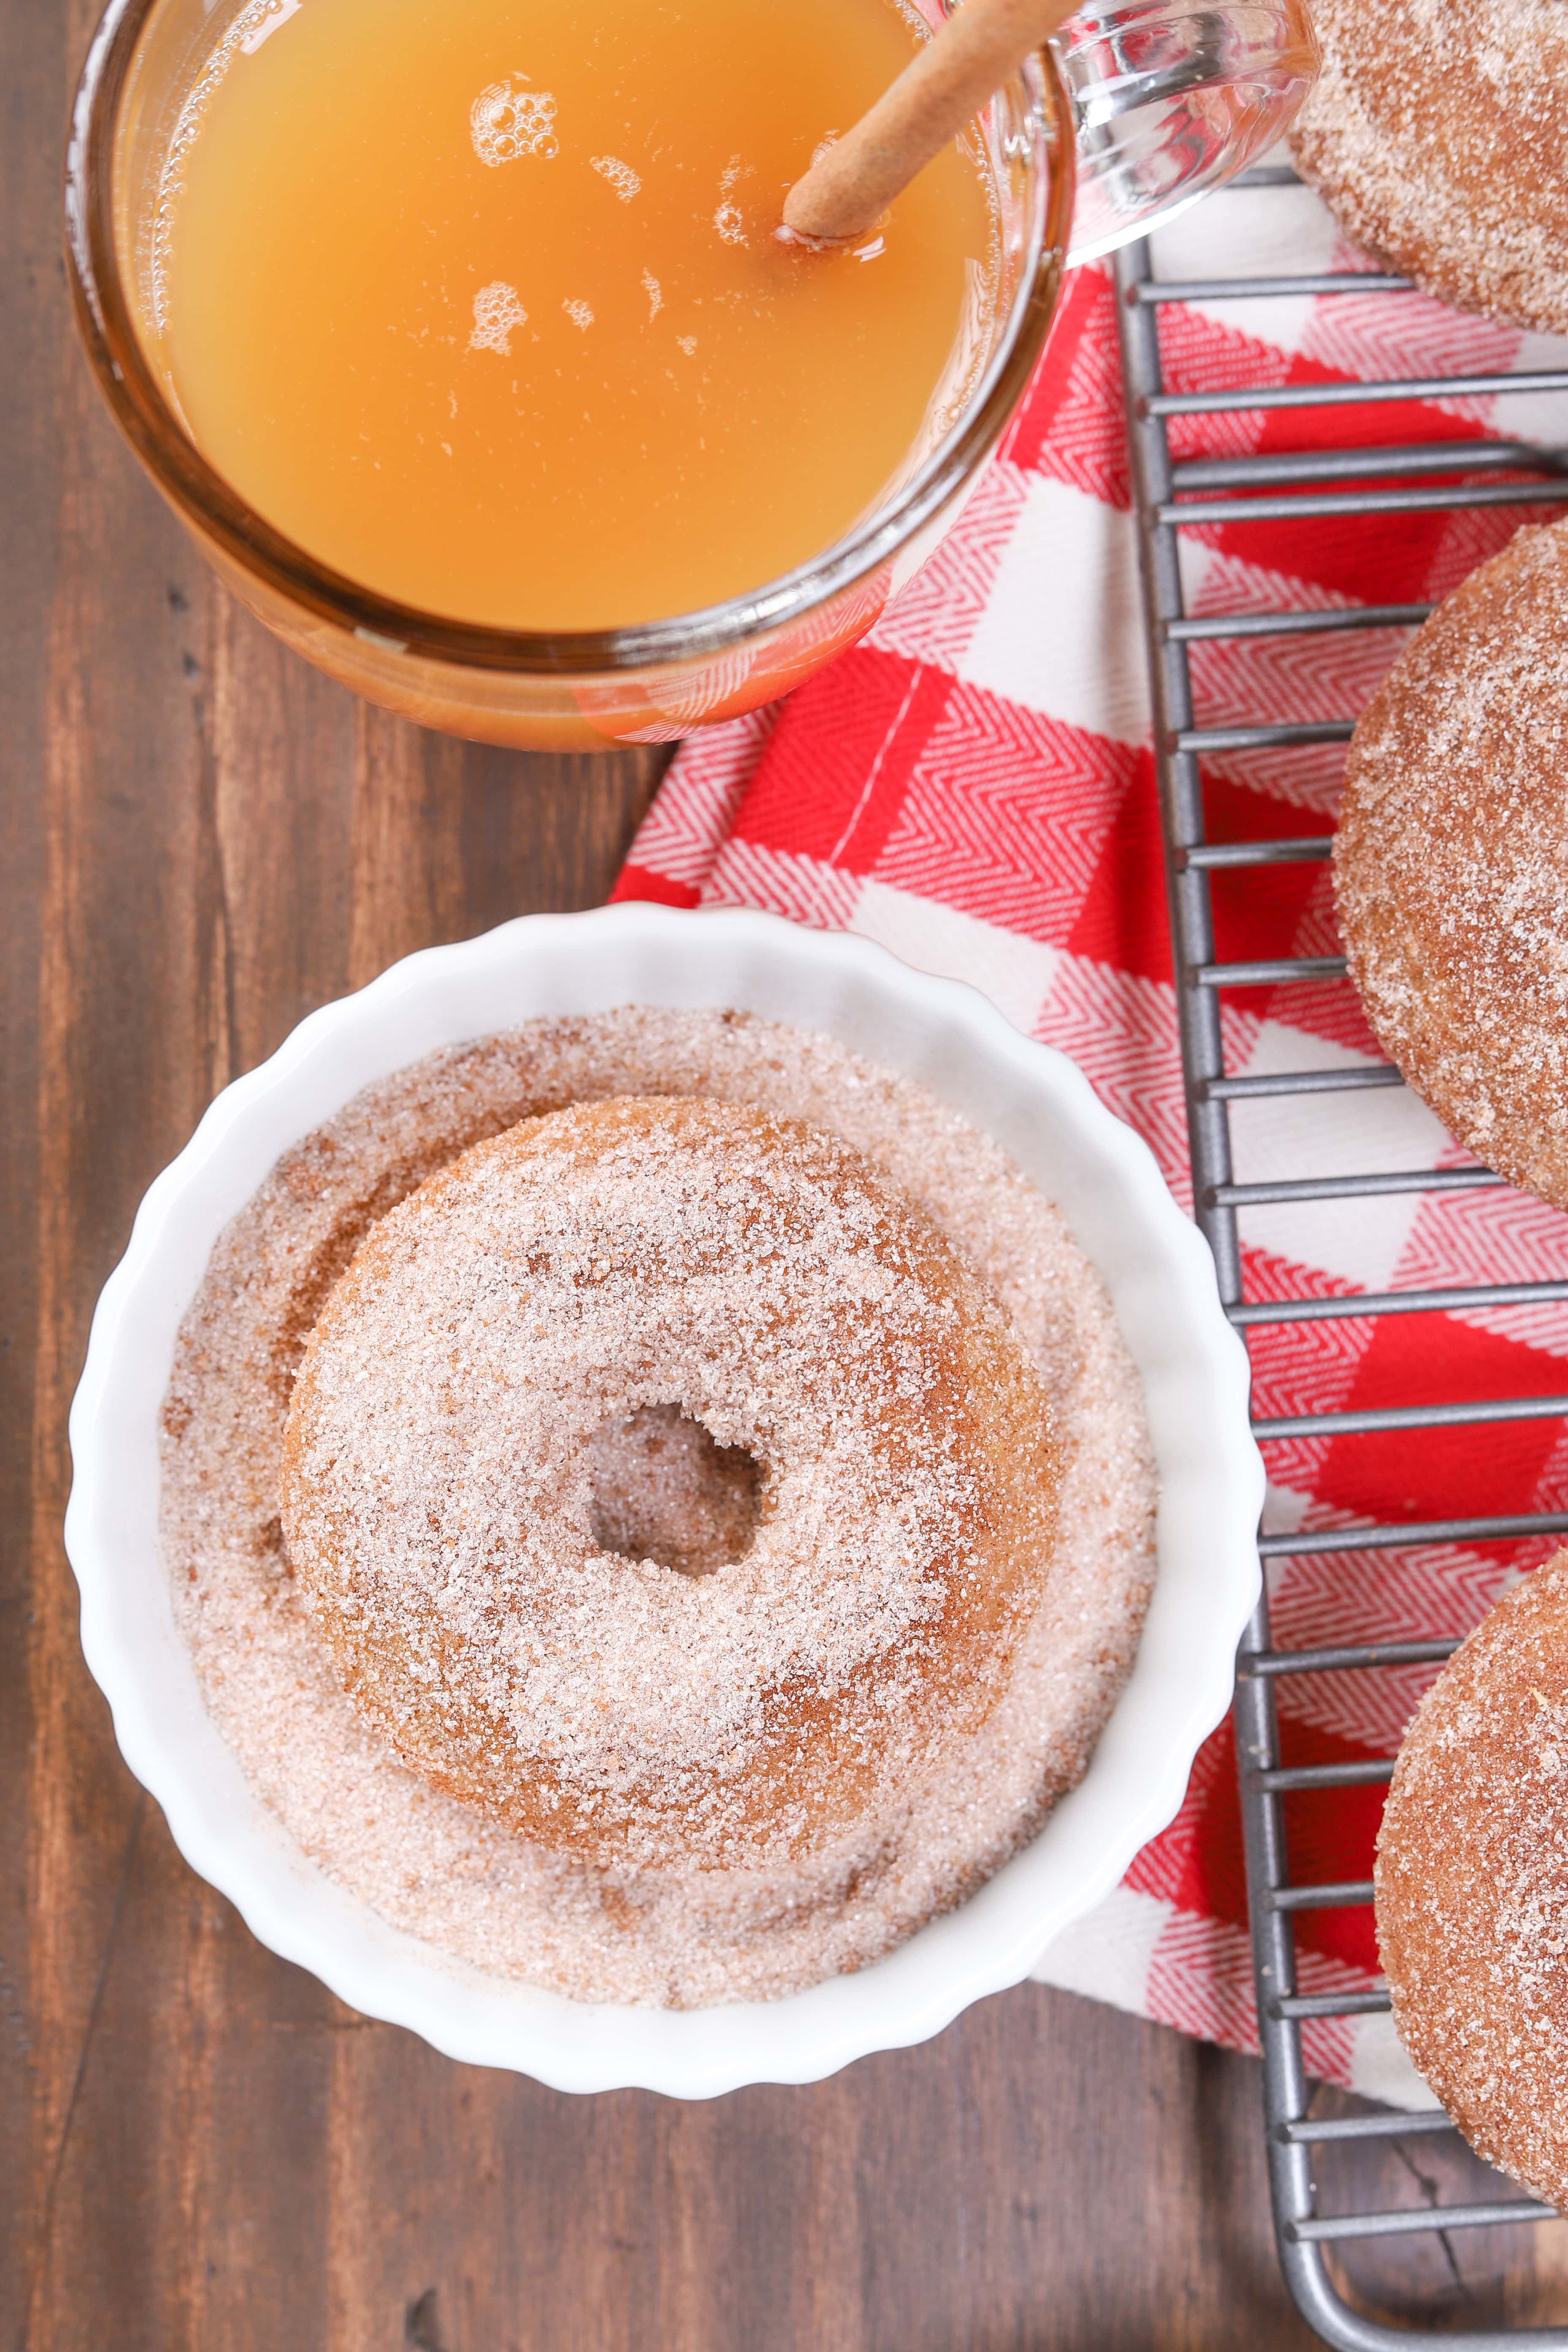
972	786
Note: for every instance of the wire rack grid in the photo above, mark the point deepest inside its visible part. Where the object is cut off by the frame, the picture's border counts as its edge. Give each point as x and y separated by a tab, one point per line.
1169	495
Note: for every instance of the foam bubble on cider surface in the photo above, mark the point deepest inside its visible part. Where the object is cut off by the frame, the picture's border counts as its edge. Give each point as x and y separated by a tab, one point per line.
507	122
621	176
496	311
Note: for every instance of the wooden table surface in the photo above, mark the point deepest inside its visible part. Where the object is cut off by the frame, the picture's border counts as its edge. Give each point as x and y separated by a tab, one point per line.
199	2145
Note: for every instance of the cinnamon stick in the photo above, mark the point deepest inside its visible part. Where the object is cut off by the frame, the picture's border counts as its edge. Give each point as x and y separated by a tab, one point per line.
851	186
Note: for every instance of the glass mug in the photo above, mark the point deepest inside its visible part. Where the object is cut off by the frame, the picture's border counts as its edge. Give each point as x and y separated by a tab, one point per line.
1131	113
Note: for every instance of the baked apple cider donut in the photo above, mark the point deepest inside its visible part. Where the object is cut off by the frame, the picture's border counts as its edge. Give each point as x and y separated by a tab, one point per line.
642	1266
1437	134
1451	862
1472	1884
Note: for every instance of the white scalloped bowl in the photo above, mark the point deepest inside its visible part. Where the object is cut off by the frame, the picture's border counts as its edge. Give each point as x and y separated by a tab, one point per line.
1036	1103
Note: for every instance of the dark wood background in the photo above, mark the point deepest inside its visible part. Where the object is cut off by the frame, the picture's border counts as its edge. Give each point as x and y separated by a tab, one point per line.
199	2147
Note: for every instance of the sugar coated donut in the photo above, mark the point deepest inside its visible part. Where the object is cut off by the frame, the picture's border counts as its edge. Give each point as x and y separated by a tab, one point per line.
1437	134
1472	1884
1451	862
699	1263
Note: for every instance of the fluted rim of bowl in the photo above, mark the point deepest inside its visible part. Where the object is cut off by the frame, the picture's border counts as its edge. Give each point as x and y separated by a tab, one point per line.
1195	1379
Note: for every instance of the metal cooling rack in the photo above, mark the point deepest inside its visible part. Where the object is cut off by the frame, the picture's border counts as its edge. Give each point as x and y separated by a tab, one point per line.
1168	495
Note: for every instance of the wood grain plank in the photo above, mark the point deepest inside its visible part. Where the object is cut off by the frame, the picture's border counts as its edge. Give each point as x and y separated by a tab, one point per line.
105	719
279	747
31	2056
1043	2175
1511	2277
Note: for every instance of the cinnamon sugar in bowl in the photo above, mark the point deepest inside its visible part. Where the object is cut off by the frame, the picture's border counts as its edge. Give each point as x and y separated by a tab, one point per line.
417	1909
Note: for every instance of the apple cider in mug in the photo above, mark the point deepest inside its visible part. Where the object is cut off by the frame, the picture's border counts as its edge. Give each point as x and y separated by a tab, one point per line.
481	302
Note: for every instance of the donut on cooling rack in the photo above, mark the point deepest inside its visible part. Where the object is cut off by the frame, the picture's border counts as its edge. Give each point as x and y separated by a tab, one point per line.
1437	134
1451	862
1472	1884
704	1263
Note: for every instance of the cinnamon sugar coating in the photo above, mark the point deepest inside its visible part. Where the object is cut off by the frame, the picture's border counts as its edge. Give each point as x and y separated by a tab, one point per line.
1472	1884
437	1483
471	1888
1435	134
1451	862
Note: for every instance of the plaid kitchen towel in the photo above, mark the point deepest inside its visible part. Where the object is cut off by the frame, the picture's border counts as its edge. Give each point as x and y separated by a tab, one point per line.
972	786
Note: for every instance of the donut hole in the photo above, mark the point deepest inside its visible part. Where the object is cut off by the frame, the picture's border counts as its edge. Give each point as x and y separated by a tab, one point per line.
663	1488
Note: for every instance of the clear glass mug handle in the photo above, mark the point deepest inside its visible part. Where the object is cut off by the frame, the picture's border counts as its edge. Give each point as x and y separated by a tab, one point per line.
1169	99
